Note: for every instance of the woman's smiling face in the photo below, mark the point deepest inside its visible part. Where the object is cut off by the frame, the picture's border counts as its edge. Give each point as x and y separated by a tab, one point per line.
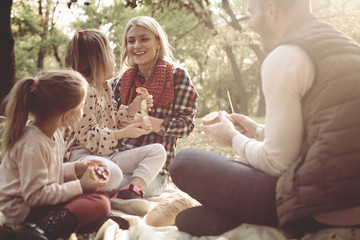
142	46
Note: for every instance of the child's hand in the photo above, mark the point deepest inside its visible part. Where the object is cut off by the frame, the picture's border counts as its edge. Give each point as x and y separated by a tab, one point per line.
133	130
80	168
92	162
136	119
136	130
92	181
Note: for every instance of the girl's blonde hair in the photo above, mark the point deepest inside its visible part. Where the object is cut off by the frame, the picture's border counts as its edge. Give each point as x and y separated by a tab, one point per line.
165	51
49	94
88	52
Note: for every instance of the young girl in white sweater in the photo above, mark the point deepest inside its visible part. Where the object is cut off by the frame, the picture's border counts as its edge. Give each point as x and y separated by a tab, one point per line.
35	185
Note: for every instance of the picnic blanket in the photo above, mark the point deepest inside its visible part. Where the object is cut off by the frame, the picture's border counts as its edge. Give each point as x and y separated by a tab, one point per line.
139	230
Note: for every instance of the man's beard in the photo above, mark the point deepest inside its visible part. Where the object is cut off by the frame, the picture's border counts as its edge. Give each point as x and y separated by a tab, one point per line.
267	36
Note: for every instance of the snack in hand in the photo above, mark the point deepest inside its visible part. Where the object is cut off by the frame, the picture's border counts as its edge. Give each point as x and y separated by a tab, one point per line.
213	117
147	122
143	111
142	91
99	173
210	118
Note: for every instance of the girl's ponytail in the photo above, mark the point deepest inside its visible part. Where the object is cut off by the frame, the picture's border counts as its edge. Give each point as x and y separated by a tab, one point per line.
17	110
50	94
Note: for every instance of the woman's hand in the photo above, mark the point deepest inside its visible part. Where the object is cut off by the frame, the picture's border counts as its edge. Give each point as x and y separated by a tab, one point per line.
156	124
135	106
133	130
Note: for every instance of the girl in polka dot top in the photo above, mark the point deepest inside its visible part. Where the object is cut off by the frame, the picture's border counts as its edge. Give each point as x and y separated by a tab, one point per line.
97	134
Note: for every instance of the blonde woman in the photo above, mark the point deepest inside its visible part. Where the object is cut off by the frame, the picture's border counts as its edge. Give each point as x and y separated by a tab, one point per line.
147	61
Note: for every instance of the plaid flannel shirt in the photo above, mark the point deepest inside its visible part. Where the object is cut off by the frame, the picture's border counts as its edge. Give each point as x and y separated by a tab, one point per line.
178	116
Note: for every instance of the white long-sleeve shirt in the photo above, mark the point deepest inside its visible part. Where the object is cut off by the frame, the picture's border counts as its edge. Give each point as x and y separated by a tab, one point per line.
287	74
33	174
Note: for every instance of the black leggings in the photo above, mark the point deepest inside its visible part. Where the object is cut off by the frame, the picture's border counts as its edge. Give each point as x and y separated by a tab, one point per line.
231	193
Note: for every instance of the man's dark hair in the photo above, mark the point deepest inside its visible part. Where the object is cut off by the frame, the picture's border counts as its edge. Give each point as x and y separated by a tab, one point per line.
284	4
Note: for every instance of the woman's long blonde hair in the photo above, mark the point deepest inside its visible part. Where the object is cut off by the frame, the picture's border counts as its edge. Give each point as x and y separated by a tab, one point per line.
48	94
165	51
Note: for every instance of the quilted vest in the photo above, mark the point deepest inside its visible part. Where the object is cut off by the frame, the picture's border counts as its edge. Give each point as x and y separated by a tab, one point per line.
326	175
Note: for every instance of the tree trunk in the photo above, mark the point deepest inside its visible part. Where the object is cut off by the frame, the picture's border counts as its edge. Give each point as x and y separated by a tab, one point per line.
260	54
241	95
205	15
57	57
7	66
41	57
41	53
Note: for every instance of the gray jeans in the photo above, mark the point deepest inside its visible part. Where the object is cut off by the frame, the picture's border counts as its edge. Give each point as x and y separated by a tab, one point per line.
118	179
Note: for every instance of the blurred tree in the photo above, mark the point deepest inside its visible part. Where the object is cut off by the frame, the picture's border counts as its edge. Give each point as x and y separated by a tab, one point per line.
37	38
7	71
343	14
233	13
225	18
211	38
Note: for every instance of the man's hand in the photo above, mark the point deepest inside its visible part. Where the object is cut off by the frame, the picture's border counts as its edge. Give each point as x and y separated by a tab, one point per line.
220	133
244	124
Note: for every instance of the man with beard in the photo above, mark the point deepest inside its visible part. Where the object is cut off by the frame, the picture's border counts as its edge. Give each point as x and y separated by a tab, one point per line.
303	169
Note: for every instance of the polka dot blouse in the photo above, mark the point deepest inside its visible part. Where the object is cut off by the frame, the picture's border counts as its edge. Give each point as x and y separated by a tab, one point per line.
95	131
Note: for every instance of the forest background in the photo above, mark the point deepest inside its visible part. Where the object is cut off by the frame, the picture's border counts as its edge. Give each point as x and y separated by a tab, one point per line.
211	39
